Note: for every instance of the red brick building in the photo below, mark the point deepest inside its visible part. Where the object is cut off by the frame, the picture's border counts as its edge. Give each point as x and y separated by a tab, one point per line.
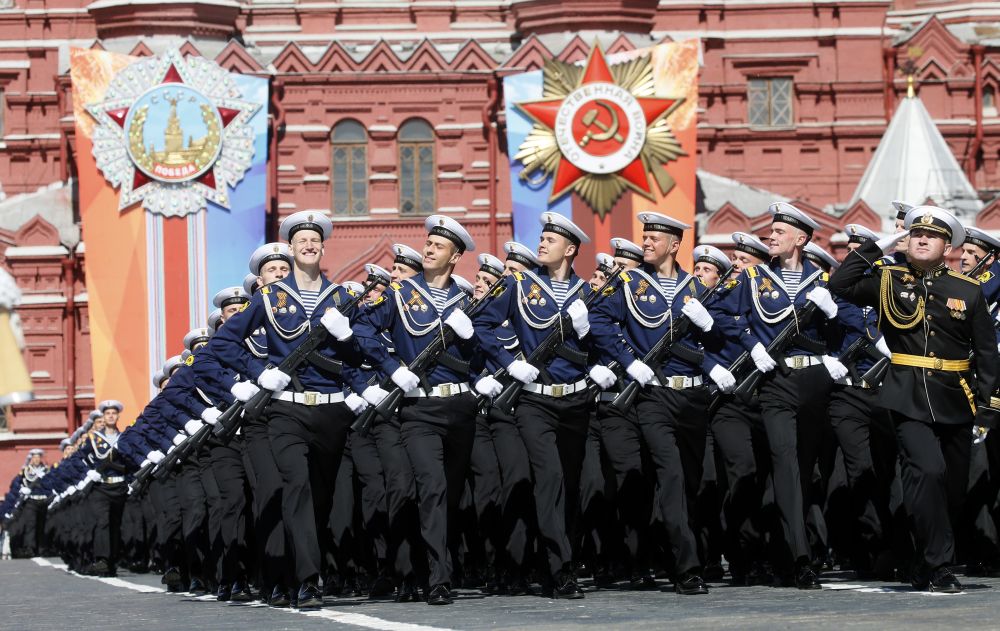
387	110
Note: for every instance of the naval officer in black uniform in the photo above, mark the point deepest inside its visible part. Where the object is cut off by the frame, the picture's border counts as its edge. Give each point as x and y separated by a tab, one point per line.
932	319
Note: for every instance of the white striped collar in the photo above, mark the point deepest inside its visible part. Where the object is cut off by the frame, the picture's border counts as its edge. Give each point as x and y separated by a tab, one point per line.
547	288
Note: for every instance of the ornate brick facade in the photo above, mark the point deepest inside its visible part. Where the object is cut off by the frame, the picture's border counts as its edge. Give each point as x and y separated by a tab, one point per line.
822	79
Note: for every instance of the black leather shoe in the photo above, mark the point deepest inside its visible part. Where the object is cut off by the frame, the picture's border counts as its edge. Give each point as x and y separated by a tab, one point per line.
310	595
171	577
566	587
279	597
691	585
407	592
381	588
240	592
519	586
713	572
944	582
805	578
98	568
225	593
439	595
197	587
642	582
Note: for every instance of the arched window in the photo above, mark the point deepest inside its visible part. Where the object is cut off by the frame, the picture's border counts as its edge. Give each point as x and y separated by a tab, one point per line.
417	176
989	101
350	168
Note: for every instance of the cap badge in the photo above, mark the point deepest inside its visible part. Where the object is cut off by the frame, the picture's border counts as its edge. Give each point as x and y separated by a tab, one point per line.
927	218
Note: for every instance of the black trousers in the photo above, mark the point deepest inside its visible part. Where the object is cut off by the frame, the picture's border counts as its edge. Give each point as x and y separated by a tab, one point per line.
739	436
517	499
869	462
405	549
230	477
597	535
621	438
107	501
167	505
194	518
437	434
673	425
554	431
485	483
308	443
268	526
368	471
794	410
32	518
935	459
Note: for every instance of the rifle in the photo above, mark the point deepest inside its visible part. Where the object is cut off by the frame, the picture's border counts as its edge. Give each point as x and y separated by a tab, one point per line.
229	420
777	347
420	365
544	352
664	347
142	479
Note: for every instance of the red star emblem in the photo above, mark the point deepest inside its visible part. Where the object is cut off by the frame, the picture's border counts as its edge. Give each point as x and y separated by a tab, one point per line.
171	75
598	131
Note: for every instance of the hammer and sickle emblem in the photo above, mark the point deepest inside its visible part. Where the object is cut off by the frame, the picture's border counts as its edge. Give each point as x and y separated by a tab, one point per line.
607	131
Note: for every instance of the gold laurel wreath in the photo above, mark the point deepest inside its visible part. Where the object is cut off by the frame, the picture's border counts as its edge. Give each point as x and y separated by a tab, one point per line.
540	155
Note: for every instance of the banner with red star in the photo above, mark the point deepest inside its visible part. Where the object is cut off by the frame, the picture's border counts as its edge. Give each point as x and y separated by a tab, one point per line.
607	137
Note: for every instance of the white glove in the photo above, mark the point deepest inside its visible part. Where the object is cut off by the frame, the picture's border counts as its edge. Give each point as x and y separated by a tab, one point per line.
405	379
374	395
577	312
192	426
603	376
82	484
177	440
882	347
979	434
488	386
888	244
356	403
142	465
93	476
173	447
460	324
639	371
764	362
834	366
337	324
824	300
698	314
155	456
244	390
522	371
273	379
25	491
211	415
722	378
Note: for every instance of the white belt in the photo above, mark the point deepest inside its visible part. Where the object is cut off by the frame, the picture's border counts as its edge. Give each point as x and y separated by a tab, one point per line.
442	391
556	390
309	398
38	497
677	383
802	361
114	479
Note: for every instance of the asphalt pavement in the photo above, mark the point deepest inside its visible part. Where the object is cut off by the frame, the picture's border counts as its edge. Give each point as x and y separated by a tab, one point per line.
40	594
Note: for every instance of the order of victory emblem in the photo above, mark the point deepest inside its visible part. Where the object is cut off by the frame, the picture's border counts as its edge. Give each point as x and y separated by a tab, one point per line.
600	130
172	132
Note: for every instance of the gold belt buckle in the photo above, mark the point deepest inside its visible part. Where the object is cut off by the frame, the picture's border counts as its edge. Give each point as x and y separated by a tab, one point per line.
445	389
677	383
309	398
938	363
557	391
798	361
